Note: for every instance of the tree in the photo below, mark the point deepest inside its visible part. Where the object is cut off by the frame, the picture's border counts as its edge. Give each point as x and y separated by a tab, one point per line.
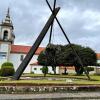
87	55
45	70
58	55
48	57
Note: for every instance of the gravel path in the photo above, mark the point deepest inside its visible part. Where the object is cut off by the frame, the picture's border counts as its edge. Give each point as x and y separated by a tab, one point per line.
53	96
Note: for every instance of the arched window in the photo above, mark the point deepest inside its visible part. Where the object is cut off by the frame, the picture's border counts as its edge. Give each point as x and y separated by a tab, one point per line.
5	36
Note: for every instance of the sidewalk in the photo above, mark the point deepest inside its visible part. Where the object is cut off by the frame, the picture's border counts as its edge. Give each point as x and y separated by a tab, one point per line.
53	96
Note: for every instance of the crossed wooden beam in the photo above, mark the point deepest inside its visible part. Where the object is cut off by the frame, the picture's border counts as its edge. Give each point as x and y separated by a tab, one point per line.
35	46
78	57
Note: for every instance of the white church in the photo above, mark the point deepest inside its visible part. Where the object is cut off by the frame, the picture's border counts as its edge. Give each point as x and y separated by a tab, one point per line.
9	52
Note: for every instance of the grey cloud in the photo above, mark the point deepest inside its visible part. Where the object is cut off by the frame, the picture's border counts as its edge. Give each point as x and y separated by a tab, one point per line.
80	19
81	4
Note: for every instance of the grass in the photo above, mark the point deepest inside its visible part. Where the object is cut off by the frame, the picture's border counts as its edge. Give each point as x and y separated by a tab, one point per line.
61	79
57	76
34	82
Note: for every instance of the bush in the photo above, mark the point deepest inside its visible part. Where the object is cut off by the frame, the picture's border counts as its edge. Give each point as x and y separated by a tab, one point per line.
7	64
32	72
90	69
7	69
45	70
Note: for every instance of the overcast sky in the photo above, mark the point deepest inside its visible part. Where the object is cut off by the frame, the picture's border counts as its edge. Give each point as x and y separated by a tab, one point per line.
79	18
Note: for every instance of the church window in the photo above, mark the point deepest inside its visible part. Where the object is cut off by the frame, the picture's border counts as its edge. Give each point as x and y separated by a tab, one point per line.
5	37
21	57
35	68
3	55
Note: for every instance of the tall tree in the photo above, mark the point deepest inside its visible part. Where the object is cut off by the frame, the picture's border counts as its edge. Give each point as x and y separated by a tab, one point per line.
58	55
87	55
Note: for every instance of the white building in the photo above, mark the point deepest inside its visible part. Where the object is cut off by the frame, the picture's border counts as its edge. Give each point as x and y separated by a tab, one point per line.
9	52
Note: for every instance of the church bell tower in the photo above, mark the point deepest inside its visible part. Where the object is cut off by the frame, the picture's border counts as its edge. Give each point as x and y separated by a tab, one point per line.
6	37
6	27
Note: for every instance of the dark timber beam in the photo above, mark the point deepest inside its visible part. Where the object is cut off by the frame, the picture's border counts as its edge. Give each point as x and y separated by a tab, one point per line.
35	46
78	57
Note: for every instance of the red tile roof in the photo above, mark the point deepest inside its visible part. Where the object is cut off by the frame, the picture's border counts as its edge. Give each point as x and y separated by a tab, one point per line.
98	55
24	49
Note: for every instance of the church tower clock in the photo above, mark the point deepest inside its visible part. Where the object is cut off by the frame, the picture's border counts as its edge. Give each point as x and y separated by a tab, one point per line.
6	38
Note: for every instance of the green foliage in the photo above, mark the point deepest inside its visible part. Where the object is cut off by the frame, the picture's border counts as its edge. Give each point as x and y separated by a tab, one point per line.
58	55
89	69
87	55
63	55
45	70
7	69
7	64
32	72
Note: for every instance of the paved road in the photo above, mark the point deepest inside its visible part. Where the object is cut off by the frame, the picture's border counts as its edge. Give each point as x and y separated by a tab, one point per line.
52	96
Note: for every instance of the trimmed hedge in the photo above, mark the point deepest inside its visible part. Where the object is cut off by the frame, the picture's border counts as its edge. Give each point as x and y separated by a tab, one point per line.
90	69
7	64
7	69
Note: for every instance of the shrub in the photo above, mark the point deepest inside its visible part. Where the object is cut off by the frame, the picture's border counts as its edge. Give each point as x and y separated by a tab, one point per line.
90	69
32	72
45	70
7	69
7	64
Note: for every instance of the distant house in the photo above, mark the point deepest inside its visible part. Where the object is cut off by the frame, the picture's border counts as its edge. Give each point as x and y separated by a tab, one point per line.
98	58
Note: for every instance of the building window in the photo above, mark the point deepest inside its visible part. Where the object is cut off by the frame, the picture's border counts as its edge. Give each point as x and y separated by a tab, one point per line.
35	68
3	55
5	37
21	57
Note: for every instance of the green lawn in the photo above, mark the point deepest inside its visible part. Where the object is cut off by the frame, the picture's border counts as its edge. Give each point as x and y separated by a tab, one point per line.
61	79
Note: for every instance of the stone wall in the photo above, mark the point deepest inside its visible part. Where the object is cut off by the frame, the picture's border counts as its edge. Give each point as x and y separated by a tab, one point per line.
45	89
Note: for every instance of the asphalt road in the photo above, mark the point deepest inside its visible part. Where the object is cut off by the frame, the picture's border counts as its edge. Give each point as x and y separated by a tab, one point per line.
53	96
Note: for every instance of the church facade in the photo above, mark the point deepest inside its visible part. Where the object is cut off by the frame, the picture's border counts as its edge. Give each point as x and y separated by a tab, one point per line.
9	52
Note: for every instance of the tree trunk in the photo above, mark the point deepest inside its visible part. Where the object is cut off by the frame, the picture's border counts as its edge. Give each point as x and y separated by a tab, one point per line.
54	69
65	71
79	70
44	74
